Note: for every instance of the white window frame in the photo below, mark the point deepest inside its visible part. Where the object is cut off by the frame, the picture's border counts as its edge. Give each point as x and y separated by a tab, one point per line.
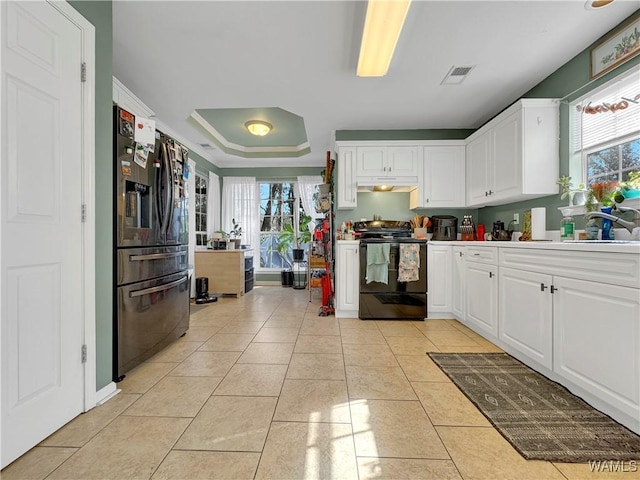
578	155
203	201
296	221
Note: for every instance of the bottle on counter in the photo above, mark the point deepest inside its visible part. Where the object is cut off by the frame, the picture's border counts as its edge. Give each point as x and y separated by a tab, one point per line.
567	229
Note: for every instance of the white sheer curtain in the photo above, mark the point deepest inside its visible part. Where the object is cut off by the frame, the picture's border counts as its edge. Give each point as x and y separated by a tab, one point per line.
306	186
239	201
213	204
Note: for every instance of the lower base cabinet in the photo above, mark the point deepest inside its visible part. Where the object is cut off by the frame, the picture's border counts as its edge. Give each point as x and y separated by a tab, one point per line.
525	314
439	281
458	291
482	298
596	331
347	279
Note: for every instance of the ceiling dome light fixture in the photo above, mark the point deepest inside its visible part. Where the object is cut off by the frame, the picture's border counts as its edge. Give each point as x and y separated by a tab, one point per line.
258	127
595	4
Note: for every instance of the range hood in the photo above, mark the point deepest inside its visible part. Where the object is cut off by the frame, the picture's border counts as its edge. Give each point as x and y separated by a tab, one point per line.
378	185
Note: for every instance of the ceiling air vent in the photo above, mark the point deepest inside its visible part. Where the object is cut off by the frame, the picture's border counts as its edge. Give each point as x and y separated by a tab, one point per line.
456	75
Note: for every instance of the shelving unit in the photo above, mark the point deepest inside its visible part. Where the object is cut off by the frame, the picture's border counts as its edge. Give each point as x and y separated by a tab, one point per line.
320	257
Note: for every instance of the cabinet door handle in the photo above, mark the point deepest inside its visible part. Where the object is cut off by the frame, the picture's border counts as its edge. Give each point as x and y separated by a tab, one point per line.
486	194
426	200
460	253
554	289
476	254
384	169
542	287
490	192
490	274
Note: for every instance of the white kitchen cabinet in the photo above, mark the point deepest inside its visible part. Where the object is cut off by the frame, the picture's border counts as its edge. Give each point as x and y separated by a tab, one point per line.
439	269
441	178
525	315
478	169
596	332
347	186
387	164
515	156
347	279
481	304
458	292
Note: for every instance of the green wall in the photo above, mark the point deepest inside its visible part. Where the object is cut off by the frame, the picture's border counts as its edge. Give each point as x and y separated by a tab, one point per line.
564	82
437	134
100	15
568	81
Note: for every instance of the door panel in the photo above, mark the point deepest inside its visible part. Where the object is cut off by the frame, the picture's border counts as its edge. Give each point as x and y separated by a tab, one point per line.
42	281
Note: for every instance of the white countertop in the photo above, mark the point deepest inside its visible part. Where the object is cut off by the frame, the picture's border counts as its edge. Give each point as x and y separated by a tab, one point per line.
631	248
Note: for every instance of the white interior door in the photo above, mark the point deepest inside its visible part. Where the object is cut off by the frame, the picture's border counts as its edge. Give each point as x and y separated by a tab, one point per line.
41	227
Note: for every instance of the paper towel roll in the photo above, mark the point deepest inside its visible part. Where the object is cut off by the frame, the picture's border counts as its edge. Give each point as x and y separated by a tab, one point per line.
538	223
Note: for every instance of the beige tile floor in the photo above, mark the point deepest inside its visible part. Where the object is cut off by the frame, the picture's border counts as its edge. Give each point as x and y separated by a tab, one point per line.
262	387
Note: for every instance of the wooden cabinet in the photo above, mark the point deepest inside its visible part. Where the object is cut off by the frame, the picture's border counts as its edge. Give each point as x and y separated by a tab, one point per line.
347	186
439	281
515	156
458	291
387	164
525	314
225	270
347	279
441	178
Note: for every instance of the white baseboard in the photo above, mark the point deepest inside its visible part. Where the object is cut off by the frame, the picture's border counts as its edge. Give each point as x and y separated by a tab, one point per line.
106	393
268	283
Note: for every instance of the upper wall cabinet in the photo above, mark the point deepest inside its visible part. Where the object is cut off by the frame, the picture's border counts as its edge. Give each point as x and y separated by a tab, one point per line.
515	156
402	163
386	164
441	177
346	185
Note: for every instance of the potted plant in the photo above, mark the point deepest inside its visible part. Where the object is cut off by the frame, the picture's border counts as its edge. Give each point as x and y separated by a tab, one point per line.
577	196
289	241
629	188
235	234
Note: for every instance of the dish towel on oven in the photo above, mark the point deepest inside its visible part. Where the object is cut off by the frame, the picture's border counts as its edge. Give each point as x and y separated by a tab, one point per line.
409	263
378	262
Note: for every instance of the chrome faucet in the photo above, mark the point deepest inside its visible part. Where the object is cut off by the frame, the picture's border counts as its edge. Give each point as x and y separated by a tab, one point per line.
633	227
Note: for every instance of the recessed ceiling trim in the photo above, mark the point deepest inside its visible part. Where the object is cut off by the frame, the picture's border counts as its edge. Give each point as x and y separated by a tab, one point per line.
243	151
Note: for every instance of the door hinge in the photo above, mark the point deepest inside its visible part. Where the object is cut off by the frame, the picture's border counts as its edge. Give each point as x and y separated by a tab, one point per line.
83	72
84	354
83	213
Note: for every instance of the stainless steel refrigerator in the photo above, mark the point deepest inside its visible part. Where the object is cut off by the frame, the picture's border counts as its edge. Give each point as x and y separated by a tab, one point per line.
151	287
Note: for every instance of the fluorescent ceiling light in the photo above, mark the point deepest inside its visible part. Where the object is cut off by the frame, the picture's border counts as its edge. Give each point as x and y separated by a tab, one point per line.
258	127
382	28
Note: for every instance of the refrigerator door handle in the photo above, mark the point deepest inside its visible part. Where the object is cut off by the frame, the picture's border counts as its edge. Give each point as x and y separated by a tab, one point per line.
166	167
159	288
172	182
156	256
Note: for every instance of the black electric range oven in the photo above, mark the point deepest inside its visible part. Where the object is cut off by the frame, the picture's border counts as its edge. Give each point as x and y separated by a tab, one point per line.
394	300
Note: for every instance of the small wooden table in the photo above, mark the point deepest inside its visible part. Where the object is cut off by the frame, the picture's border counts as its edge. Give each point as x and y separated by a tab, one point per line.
224	269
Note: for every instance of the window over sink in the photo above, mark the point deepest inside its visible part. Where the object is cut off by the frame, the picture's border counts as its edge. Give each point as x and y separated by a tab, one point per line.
605	131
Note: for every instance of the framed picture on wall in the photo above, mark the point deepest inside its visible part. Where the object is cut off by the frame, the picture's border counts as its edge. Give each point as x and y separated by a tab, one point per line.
616	48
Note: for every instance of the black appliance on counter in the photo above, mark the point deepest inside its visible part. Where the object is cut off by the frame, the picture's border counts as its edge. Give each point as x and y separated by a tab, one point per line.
394	300
151	280
445	227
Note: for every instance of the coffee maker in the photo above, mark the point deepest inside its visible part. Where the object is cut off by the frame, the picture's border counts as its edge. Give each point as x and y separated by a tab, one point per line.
445	227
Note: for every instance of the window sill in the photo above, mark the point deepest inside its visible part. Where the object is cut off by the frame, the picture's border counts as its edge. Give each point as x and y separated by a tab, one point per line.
582	209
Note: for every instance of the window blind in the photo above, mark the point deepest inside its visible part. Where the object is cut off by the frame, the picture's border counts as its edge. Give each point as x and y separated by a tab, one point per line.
592	130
